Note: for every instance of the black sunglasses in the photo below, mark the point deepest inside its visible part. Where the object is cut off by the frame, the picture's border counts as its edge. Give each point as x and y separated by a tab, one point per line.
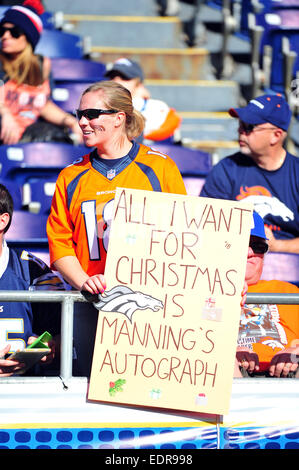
93	113
259	248
247	128
15	31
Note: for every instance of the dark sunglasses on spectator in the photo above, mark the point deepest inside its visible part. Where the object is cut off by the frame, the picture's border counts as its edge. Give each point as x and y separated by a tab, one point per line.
93	113
247	128
259	248
15	31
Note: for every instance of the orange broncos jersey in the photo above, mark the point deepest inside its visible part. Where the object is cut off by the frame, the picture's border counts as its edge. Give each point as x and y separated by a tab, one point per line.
82	204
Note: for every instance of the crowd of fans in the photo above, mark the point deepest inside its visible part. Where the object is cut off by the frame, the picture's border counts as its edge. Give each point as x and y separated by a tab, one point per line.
113	119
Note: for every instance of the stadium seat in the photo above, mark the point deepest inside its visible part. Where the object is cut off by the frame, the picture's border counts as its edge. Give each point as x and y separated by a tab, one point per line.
67	95
28	229
76	70
193	185
21	161
56	43
281	266
191	162
274	37
15	191
275	45
38	193
279	4
48	20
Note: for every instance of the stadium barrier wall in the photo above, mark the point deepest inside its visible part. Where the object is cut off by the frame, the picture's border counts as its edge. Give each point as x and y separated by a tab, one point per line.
53	412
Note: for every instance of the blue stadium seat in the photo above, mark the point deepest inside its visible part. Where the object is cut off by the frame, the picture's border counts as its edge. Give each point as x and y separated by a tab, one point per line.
215	3
193	185
38	193
76	70
265	12
48	20
27	229
15	191
55	43
281	266
67	95
274	4
273	36
21	161
191	162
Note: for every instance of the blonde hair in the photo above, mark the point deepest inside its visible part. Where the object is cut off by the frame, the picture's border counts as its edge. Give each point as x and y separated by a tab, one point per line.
25	68
118	97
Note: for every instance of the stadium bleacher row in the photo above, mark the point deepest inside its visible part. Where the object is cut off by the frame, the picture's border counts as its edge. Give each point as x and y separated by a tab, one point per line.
259	40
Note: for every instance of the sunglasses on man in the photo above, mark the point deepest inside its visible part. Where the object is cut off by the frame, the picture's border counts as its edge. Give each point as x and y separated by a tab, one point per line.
249	128
93	113
259	248
15	31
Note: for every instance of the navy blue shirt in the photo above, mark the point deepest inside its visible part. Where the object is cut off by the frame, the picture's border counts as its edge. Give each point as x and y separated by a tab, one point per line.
274	194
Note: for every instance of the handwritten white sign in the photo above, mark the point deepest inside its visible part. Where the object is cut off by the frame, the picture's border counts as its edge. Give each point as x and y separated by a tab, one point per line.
168	321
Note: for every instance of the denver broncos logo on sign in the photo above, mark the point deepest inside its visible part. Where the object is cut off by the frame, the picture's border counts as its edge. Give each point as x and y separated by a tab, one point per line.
122	299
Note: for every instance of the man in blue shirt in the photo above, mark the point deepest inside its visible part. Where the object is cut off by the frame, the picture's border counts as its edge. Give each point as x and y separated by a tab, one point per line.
263	172
22	322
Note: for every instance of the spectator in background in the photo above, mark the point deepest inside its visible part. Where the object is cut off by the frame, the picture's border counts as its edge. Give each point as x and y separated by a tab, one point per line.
268	341
25	94
262	172
22	322
161	121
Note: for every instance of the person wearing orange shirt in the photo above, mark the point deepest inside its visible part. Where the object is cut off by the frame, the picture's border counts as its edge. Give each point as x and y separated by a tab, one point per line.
25	80
268	341
81	211
78	224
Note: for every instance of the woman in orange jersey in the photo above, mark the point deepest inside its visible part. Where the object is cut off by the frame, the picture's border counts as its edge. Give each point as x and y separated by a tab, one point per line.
25	94
78	225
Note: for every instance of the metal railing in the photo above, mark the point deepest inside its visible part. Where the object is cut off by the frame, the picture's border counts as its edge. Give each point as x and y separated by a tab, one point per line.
68	298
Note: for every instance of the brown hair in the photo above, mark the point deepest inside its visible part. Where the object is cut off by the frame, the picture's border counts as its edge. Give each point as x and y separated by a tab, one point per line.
6	204
26	68
118	97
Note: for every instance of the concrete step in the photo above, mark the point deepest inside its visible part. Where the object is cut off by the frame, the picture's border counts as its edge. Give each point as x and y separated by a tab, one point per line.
102	7
171	64
208	126
218	149
195	95
182	95
127	31
236	45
